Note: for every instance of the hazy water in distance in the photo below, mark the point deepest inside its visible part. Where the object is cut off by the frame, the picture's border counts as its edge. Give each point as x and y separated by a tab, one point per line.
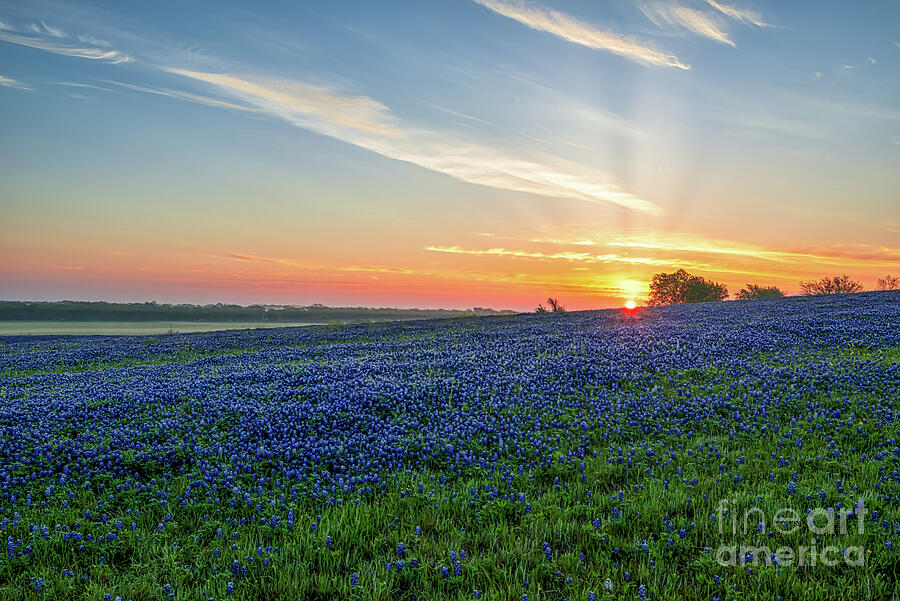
134	328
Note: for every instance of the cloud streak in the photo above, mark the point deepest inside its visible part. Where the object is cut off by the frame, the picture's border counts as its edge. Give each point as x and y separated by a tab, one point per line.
251	258
314	104
675	261
711	25
581	257
179	95
678	243
579	32
55	47
43	29
741	15
15	84
298	265
697	21
367	123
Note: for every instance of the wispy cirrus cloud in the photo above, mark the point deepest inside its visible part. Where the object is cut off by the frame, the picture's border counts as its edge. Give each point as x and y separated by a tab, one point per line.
580	32
711	25
249	258
697	21
55	44
642	263
742	15
301	101
679	243
367	123
89	39
299	265
43	29
78	84
9	82
707	257
180	95
581	257
62	267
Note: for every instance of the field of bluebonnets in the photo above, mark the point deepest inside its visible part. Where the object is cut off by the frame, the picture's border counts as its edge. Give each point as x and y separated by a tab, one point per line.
577	456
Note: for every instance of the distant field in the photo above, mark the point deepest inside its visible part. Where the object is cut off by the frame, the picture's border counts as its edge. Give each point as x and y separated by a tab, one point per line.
686	452
136	328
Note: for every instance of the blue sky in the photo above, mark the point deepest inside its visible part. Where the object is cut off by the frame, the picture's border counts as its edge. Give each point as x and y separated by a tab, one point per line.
443	153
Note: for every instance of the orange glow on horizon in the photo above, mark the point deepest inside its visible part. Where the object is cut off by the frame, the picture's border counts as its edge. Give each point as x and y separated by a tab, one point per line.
584	273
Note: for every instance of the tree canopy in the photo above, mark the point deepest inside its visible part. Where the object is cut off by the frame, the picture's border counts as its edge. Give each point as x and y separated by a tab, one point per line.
753	291
839	284
889	282
555	307
682	287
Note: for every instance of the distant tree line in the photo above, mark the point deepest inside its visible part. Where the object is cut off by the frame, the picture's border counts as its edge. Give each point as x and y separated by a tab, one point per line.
151	311
682	287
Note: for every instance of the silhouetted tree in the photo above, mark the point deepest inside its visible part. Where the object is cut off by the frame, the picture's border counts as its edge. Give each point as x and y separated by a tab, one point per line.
753	291
682	287
889	282
838	284
541	309
555	306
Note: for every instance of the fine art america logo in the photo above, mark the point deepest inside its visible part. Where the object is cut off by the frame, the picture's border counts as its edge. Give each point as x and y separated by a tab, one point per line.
787	521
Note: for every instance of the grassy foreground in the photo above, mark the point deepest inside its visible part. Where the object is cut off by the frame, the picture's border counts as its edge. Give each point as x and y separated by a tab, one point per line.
596	455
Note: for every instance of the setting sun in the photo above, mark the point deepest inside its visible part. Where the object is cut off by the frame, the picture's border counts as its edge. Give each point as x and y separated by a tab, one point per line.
630	304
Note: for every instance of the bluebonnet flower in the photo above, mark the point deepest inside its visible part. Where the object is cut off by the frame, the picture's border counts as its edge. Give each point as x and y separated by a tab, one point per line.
345	418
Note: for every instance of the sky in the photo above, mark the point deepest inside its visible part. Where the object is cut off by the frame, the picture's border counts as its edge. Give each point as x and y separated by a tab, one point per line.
453	153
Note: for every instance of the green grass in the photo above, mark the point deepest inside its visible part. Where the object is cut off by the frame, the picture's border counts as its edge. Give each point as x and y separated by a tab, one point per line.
503	539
